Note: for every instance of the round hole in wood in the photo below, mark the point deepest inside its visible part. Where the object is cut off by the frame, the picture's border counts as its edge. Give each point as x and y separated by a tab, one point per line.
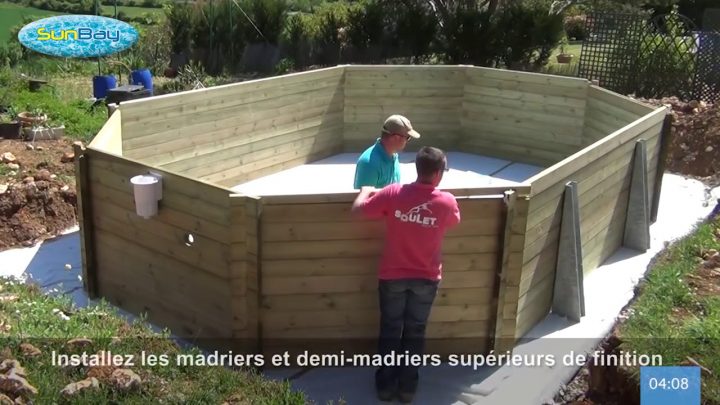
189	239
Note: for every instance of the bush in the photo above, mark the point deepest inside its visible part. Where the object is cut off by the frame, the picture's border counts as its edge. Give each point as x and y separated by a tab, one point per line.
179	19
575	27
268	17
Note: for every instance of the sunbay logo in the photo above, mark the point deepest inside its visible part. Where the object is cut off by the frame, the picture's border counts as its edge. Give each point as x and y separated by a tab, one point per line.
79	36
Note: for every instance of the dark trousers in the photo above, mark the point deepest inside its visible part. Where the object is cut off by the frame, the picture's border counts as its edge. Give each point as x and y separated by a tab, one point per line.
404	310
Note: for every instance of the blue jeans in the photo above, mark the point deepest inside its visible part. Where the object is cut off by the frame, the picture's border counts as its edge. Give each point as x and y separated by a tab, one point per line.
404	310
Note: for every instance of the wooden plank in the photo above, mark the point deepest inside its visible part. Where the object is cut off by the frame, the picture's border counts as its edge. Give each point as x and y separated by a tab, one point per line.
279	321
135	107
352	93
232	156
338	266
502	270
535	311
366	247
478	102
650	123
109	139
183	203
473	92
391	103
304	231
421	119
521	154
610	113
191	223
435	330
589	176
477	73
307	153
278	167
193	188
575	92
87	233
285	285
466	197
232	117
203	254
141	268
519	115
629	104
350	301
561	139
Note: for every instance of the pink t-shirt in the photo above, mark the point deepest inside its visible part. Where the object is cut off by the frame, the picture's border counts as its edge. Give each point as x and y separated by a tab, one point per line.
417	216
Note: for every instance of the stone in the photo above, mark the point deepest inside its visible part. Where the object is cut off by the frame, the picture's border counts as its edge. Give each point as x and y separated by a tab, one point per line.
29	146
8	157
29	350
42	174
125	379
79	386
4	188
67	157
13	166
78	342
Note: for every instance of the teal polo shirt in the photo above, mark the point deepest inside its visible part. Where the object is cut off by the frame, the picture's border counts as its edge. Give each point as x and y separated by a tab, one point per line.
376	168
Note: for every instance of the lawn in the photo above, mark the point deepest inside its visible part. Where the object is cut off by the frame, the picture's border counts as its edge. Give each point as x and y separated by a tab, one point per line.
41	332
677	311
12	14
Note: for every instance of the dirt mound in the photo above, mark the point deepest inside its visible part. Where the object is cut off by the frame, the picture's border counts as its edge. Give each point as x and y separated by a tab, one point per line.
694	149
37	191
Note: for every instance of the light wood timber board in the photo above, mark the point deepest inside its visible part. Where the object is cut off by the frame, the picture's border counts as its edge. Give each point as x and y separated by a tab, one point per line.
109	139
481	73
339	266
230	157
172	182
478	92
368	282
308	153
647	125
179	142
477	103
214	261
628	104
282	320
232	117
143	270
270	84
184	203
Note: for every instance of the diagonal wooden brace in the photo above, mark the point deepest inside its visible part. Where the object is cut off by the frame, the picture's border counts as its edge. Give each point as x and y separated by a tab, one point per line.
568	292
637	221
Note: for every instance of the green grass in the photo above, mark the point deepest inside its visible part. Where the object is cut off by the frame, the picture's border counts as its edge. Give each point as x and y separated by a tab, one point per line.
671	318
12	14
131	11
48	323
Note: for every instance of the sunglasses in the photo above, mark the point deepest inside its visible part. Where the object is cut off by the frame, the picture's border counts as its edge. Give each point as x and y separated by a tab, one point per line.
407	137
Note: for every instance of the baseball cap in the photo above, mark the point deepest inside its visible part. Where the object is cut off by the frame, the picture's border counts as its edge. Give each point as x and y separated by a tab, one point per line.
397	124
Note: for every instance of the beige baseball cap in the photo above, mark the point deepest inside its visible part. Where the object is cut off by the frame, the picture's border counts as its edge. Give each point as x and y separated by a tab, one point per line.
398	124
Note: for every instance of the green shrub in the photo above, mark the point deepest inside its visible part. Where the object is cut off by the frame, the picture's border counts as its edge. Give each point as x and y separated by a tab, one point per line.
179	19
415	28
268	17
365	31
575	27
296	39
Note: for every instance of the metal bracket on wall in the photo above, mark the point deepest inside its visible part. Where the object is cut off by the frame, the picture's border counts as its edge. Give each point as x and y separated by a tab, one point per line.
637	221
568	292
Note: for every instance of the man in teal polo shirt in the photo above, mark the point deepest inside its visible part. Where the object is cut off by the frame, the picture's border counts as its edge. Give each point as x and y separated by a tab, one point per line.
378	165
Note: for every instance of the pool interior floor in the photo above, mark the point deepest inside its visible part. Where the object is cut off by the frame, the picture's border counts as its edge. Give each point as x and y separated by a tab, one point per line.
335	174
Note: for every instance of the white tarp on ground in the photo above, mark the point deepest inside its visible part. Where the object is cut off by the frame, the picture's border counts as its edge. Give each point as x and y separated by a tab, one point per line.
336	174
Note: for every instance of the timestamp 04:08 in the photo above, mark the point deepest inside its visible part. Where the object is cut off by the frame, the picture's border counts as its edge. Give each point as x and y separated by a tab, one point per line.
670	385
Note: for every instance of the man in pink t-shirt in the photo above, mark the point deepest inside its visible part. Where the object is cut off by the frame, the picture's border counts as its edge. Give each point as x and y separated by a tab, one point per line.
417	216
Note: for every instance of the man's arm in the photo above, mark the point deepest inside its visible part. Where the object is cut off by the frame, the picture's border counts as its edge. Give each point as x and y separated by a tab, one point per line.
454	215
365	193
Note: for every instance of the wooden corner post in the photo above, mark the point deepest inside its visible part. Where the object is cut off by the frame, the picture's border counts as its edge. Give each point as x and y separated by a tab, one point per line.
568	291
85	222
637	220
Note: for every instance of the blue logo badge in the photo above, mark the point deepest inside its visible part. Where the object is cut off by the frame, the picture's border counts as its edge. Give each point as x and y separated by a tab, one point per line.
78	36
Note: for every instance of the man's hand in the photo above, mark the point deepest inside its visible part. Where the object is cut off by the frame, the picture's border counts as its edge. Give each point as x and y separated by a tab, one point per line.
365	193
